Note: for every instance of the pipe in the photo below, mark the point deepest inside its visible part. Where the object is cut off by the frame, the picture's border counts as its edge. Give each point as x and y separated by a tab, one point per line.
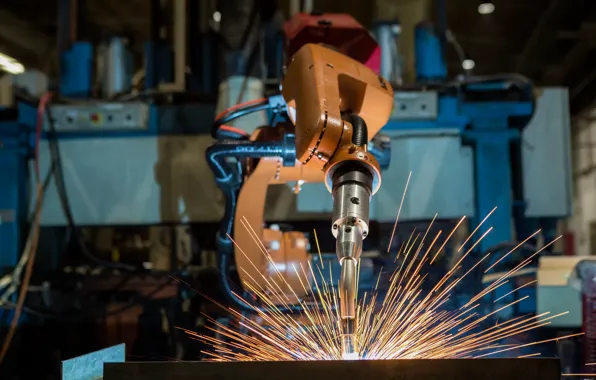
359	130
230	182
180	44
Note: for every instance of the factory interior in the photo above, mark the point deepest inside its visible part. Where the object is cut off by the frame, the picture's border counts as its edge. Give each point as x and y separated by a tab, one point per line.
420	175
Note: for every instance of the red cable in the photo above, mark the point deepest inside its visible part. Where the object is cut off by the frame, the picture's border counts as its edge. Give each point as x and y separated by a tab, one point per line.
233	129
240	105
43	101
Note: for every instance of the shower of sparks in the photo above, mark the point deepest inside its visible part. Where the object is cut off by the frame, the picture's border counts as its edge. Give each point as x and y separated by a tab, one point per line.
407	323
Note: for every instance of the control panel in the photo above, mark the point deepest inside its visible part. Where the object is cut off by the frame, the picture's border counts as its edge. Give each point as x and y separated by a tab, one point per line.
99	117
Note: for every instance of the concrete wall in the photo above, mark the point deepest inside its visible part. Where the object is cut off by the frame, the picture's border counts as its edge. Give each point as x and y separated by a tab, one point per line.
584	182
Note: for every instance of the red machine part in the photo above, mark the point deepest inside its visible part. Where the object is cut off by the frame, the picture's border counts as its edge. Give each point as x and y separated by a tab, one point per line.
569	243
588	274
337	30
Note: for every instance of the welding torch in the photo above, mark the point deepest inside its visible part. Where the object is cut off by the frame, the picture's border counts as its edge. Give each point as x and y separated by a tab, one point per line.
337	104
352	191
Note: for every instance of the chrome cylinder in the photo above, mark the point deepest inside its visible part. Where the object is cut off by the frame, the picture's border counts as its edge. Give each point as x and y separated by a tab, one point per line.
351	206
348	243
117	76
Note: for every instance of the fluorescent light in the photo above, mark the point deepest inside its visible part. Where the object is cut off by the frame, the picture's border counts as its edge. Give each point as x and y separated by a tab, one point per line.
10	65
216	16
486	8
468	64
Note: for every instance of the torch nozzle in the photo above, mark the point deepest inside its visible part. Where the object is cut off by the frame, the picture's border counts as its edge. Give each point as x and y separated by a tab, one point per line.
347	294
349	349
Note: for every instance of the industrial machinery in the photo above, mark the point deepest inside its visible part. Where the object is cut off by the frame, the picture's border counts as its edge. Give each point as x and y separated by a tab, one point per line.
341	123
337	106
457	128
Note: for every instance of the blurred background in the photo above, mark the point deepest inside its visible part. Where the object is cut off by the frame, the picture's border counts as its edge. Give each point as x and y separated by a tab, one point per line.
494	107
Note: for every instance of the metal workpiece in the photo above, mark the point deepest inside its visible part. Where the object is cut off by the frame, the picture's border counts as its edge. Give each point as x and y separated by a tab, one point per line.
418	369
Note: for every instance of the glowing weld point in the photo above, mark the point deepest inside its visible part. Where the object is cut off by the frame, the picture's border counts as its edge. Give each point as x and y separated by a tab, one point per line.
350	356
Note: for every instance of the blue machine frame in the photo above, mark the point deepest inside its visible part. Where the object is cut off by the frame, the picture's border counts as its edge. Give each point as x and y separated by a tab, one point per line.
14	153
486	127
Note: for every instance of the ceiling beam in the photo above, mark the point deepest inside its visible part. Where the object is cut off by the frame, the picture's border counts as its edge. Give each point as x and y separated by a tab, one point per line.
483	40
581	86
23	34
482	66
543	23
26	57
571	60
116	16
587	31
102	14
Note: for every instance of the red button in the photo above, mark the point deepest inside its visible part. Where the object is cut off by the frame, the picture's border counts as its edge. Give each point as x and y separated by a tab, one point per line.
94	117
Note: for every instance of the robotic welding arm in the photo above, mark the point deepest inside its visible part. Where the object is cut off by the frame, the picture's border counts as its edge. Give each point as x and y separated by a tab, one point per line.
337	105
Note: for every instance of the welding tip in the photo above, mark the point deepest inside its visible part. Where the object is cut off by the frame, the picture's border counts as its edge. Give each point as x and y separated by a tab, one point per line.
349	347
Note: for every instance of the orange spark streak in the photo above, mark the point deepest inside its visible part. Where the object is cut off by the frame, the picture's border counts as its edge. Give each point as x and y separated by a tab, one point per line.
403	197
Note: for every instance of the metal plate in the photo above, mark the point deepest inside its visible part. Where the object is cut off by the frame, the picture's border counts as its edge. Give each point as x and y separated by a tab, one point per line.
546	157
413	105
416	369
90	366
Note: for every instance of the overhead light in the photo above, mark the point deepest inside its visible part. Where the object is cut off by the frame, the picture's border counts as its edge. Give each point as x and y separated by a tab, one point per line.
486	8
216	16
10	65
468	64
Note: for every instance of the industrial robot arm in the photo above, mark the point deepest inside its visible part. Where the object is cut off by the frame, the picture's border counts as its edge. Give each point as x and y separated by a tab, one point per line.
337	105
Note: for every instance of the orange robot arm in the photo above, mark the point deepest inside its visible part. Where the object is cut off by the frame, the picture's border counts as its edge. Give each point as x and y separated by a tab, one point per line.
337	105
322	88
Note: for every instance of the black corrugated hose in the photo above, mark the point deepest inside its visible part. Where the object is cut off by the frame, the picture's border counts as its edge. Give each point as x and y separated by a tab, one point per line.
229	180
